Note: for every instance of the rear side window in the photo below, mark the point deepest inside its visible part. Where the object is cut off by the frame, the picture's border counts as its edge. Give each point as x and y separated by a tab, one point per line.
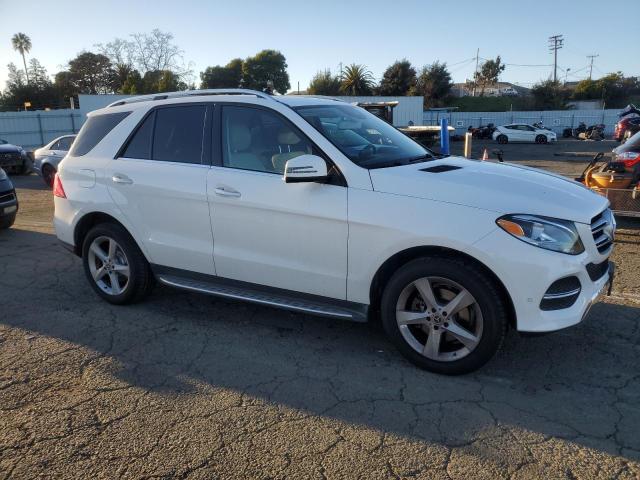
94	130
172	134
178	134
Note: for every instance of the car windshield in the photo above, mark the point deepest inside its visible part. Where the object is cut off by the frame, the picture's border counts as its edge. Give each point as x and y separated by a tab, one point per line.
364	138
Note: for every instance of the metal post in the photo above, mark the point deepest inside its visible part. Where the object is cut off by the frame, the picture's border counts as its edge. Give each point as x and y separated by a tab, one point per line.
73	123
41	132
468	138
444	136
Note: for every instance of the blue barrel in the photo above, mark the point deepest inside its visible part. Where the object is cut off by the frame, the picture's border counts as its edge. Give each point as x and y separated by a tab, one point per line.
444	136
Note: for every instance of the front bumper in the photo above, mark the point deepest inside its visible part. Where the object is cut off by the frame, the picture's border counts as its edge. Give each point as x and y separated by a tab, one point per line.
527	272
8	200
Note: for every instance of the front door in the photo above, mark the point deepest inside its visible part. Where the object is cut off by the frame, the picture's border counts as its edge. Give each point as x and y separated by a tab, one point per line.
160	183
289	236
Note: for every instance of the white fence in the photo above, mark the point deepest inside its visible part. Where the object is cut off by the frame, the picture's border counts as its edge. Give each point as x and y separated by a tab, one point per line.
557	120
34	129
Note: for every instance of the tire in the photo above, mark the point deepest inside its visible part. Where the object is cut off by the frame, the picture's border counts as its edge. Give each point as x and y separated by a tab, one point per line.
482	324
502	139
7	222
48	174
541	139
126	259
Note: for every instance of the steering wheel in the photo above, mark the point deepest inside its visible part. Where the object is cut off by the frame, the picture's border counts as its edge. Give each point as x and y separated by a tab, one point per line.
363	154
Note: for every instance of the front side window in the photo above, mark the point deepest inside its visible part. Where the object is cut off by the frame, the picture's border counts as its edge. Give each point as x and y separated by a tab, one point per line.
94	130
259	140
364	138
64	143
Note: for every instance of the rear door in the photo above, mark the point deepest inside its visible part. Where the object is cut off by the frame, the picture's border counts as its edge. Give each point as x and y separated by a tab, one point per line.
159	181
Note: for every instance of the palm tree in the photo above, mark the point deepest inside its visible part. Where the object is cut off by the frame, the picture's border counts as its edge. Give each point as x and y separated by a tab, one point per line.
22	43
356	80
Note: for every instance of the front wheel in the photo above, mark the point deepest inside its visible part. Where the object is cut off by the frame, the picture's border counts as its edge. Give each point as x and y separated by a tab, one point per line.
541	139
444	315
114	265
502	139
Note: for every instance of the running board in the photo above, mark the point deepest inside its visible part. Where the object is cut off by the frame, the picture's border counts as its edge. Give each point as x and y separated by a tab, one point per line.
339	309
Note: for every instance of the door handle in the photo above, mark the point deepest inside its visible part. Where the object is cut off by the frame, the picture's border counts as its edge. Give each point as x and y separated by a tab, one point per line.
227	192
120	178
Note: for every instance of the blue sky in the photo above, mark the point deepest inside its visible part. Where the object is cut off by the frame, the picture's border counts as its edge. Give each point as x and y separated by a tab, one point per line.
321	34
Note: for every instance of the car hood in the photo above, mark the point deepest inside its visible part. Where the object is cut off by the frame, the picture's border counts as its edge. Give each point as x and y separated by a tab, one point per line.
8	148
499	187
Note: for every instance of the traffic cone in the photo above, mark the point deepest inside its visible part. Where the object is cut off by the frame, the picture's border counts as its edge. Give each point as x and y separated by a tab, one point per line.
485	155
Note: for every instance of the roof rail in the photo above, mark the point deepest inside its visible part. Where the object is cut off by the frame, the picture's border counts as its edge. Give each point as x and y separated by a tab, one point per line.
322	97
191	93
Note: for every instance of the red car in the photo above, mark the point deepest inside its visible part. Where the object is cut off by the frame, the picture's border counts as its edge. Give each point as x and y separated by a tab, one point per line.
626	127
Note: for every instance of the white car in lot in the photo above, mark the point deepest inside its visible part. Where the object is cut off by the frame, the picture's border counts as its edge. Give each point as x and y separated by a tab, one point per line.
47	158
317	206
522	132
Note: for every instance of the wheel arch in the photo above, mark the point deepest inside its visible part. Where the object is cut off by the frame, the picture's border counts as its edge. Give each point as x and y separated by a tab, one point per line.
87	222
392	264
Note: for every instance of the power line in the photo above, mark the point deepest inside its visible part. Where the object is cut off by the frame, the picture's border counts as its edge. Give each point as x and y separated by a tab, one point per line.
555	44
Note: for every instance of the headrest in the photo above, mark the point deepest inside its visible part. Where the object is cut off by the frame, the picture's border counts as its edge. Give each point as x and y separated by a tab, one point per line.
239	137
287	137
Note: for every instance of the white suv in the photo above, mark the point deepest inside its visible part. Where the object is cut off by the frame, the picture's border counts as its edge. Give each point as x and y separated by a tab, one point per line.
315	205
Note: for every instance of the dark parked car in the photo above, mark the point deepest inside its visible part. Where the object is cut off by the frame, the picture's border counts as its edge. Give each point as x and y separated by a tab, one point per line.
626	127
8	201
13	158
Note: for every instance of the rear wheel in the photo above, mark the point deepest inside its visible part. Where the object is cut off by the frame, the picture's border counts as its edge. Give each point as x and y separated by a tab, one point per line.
502	139
48	174
114	265
444	315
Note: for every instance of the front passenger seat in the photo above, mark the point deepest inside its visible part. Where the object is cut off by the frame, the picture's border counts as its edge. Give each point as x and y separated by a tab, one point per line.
239	141
294	147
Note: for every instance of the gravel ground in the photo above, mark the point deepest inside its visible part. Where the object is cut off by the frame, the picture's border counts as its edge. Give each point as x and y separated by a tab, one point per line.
187	386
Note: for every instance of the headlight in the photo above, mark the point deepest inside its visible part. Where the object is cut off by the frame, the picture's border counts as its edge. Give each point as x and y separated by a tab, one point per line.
544	232
3	174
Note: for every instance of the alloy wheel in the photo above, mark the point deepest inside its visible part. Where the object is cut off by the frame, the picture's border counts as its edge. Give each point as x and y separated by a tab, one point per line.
439	318
108	265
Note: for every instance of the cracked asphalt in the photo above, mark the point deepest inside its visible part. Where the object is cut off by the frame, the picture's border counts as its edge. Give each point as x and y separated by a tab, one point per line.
188	386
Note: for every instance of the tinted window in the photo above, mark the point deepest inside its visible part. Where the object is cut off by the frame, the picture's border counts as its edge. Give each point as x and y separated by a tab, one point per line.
178	134
94	130
55	146
140	144
65	143
256	139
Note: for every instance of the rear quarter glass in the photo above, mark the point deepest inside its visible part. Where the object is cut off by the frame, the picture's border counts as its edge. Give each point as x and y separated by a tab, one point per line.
94	130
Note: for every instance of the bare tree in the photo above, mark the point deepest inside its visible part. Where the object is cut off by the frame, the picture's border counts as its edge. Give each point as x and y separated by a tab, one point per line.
148	52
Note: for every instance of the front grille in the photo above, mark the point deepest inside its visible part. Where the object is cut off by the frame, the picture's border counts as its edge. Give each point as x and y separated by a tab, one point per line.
6	197
597	270
602	231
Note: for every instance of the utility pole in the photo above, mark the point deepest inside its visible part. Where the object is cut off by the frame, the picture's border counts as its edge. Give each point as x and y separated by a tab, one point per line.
555	44
591	57
475	73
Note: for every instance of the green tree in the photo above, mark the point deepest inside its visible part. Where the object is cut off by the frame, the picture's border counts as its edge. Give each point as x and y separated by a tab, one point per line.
134	84
356	80
324	83
489	74
586	90
92	73
434	84
22	43
548	95
266	71
229	76
39	77
63	83
40	92
398	79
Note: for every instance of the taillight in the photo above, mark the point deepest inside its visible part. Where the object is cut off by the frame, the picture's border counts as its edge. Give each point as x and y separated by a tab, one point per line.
58	191
630	159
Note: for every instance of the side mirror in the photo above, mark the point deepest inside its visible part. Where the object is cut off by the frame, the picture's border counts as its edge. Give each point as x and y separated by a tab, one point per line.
305	168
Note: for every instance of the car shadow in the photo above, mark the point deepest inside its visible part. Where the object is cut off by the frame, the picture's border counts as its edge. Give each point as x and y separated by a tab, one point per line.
580	385
31	181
